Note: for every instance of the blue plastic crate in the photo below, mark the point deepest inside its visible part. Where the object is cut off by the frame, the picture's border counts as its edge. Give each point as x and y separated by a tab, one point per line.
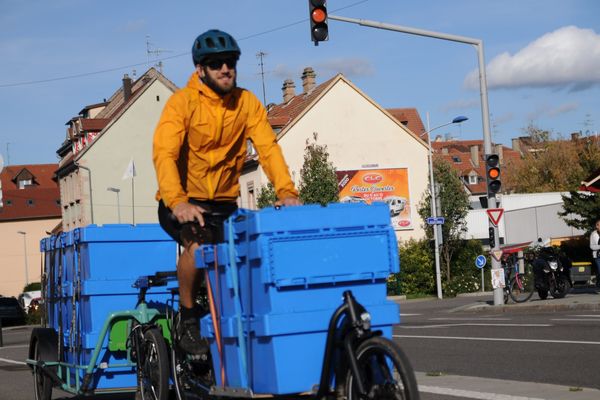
278	279
278	253
284	351
100	265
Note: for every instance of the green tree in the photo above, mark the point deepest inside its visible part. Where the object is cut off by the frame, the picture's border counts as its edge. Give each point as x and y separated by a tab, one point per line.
417	274
266	196
318	182
551	163
581	210
454	203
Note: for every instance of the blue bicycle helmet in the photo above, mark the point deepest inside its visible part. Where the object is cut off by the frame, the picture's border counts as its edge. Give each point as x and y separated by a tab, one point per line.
212	42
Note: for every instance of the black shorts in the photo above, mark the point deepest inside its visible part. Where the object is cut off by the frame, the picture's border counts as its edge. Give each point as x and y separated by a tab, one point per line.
216	213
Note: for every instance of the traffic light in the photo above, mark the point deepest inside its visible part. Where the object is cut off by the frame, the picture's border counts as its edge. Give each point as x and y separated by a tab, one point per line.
319	31
492	173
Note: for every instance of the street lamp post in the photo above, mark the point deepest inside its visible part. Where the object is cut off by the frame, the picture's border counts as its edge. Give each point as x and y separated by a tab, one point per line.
116	190
436	238
25	252
485	112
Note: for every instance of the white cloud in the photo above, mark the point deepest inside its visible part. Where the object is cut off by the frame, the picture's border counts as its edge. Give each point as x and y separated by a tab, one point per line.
552	111
459	105
569	57
350	67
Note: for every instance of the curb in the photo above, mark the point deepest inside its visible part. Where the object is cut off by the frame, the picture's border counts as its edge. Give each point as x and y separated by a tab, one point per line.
529	308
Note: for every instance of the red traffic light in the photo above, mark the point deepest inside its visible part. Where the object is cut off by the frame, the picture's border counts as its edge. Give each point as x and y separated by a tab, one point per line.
318	15
319	31
493	173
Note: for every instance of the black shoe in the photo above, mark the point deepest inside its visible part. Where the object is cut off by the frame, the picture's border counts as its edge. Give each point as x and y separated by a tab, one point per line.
190	340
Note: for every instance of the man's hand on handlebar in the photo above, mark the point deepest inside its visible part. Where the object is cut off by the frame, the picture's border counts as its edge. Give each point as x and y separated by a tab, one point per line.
187	212
289	201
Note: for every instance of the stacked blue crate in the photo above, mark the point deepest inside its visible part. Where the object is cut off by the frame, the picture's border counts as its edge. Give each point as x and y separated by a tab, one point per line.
290	268
100	265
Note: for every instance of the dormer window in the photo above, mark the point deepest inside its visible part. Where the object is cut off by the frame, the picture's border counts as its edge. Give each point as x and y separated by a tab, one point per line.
24	182
472	179
456	159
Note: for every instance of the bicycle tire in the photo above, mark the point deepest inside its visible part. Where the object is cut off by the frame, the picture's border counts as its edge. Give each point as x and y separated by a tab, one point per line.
192	378
42	383
153	376
522	290
375	356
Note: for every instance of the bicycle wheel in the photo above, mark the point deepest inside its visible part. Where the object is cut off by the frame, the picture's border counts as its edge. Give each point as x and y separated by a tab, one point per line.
193	378
42	383
153	374
386	371
521	287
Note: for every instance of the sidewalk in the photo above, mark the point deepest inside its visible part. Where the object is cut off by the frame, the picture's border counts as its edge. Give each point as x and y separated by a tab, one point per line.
580	298
500	389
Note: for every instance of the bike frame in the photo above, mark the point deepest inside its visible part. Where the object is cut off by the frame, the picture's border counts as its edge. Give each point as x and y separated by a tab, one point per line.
142	314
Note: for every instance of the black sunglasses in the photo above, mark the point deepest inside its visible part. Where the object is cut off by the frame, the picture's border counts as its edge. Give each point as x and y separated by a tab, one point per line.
217	63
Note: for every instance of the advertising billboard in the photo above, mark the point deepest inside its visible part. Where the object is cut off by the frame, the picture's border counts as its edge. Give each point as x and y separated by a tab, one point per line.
389	185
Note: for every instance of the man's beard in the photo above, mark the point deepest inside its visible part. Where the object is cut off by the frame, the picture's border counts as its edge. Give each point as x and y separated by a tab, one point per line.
211	83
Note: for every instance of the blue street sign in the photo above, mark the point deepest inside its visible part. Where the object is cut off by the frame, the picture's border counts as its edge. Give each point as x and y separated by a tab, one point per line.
435	220
480	261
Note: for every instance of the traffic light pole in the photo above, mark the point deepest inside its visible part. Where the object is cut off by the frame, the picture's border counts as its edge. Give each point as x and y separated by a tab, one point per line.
485	112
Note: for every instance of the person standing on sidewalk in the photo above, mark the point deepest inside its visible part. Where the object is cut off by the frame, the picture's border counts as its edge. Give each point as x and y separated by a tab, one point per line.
595	247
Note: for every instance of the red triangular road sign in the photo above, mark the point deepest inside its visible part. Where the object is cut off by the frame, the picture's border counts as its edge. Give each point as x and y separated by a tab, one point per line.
495	214
497	254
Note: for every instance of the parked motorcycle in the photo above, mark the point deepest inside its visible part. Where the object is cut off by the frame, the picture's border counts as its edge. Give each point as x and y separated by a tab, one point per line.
552	271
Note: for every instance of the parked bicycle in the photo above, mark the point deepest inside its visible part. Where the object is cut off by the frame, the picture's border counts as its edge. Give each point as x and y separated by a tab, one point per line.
520	284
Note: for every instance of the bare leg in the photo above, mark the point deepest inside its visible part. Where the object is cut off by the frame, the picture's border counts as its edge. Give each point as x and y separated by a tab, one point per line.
188	275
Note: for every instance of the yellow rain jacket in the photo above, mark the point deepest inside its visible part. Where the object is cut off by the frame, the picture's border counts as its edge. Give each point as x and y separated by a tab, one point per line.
200	145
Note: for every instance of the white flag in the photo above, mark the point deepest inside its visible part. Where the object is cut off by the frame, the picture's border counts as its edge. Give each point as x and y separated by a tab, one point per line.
130	171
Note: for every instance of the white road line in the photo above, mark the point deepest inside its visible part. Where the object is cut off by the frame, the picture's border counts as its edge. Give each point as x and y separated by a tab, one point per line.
14	347
469	319
473	324
574	319
590	316
12	361
495	339
409	315
470	394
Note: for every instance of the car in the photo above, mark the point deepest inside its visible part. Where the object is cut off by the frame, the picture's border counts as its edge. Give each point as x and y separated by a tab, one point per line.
11	312
26	298
352	199
396	204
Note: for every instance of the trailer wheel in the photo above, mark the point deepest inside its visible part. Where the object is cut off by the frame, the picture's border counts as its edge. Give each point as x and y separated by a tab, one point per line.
153	376
42	383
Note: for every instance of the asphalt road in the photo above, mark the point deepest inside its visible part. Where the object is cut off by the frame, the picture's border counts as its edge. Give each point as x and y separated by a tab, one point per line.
458	353
559	347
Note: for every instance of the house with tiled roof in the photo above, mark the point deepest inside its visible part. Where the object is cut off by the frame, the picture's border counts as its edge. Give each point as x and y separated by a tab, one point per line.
360	135
468	160
29	207
101	144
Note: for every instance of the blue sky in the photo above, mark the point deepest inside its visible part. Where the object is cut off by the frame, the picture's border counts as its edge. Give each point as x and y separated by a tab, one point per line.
542	58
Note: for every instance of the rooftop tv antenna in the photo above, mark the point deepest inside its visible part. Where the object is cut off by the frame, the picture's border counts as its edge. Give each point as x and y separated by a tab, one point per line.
260	55
153	52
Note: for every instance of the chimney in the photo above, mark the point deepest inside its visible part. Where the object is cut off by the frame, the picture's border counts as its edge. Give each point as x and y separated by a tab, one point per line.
516	144
308	80
575	136
126	88
475	155
500	152
445	151
289	90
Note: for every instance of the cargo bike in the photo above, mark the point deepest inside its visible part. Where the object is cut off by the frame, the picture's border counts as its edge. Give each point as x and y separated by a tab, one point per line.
296	309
